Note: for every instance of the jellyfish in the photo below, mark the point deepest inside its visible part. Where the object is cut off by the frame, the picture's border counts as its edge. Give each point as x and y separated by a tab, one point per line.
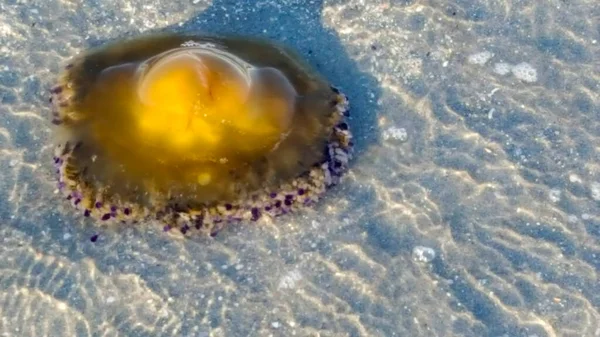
196	131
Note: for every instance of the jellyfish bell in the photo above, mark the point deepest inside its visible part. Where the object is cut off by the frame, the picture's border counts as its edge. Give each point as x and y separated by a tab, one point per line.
196	131
204	97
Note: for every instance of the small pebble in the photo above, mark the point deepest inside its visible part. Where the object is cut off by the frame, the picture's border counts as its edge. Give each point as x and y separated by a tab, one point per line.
575	179
554	195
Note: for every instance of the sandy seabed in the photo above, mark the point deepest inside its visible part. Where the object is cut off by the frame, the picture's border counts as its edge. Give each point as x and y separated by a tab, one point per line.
472	207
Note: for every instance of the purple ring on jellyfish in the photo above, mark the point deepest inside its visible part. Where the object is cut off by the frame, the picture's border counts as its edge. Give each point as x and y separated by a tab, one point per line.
196	131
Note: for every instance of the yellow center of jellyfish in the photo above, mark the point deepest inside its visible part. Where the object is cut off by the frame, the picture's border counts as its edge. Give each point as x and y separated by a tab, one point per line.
190	120
206	107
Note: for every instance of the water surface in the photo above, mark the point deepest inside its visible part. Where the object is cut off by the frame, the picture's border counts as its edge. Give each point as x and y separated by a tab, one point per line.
472	207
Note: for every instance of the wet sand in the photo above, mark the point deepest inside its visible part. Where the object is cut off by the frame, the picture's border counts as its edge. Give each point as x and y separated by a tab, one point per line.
472	207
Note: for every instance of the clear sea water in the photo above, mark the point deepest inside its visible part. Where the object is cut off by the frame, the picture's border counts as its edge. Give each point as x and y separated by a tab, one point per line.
472	207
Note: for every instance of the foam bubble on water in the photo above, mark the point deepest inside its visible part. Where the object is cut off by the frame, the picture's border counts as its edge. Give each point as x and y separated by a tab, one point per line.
480	58
6	30
554	195
412	66
502	68
394	133
525	72
423	254
595	190
289	280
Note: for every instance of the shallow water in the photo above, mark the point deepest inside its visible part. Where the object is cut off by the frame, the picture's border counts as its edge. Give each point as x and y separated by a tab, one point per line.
472	207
